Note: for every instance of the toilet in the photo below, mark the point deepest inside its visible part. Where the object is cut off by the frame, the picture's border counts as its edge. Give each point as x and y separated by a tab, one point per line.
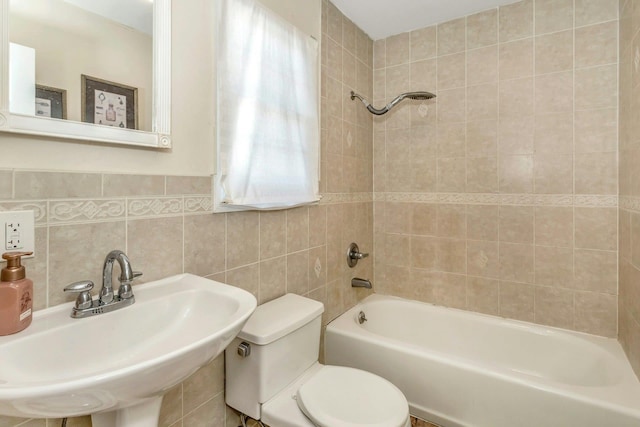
273	375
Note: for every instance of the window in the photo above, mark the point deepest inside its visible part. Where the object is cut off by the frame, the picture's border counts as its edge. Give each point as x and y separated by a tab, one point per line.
268	128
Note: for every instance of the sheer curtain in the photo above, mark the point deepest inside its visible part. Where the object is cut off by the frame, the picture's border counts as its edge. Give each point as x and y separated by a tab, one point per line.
268	128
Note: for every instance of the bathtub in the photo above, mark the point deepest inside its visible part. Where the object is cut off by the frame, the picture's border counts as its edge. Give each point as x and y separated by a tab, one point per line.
458	368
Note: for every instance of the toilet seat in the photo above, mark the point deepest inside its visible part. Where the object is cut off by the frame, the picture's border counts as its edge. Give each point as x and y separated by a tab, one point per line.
345	397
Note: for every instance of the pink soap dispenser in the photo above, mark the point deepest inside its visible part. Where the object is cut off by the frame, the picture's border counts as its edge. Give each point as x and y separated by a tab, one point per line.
16	295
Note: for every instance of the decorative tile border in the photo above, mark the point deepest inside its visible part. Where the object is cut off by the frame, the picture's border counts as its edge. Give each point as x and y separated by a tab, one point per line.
630	203
70	211
334	198
501	199
154	206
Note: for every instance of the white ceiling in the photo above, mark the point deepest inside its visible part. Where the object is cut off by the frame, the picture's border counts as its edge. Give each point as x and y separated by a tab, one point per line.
383	18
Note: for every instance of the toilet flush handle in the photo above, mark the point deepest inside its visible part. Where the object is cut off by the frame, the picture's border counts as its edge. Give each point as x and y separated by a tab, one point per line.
244	349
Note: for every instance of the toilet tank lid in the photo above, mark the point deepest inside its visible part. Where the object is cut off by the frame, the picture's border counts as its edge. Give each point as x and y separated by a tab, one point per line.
279	317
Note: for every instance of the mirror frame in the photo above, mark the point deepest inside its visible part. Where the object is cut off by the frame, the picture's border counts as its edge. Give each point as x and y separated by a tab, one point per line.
159	137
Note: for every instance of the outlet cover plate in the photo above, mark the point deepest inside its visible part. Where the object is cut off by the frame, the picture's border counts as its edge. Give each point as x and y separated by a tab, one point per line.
24	223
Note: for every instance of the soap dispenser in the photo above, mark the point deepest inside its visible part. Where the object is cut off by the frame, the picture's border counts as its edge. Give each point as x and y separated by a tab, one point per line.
16	295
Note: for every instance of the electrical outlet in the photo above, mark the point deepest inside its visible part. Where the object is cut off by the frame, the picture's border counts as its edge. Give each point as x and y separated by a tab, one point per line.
19	230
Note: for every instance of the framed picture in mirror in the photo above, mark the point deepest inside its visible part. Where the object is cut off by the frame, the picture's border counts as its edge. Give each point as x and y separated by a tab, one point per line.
109	104
51	102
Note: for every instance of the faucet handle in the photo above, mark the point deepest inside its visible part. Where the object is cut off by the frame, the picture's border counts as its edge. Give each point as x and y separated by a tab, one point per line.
84	289
137	274
125	291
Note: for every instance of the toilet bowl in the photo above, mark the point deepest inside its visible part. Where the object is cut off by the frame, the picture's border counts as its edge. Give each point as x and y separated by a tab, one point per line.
273	374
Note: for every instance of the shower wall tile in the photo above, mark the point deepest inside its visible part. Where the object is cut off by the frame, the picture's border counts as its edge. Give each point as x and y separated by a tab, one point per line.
505	200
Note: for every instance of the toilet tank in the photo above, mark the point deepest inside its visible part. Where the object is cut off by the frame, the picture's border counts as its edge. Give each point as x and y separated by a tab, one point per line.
284	340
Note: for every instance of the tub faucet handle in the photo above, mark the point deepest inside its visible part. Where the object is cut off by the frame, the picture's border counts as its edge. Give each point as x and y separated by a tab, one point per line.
354	255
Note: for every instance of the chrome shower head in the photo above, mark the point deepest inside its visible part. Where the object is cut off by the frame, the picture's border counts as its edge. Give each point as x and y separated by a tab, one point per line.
417	96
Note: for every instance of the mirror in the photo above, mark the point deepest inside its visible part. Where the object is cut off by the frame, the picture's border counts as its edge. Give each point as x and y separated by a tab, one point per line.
82	69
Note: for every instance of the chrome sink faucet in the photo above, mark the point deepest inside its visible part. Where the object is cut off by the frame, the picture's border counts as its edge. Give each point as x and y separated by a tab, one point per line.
126	277
107	300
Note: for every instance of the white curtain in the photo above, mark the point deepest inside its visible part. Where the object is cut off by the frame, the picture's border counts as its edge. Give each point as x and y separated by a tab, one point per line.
268	128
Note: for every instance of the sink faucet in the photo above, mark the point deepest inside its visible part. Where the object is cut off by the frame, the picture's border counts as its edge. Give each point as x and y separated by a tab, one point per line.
126	277
107	301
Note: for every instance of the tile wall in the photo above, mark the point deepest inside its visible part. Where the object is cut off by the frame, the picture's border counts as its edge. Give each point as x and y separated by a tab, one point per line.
629	212
165	225
500	195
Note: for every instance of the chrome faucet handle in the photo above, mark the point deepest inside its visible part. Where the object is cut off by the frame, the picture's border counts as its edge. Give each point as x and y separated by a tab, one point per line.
354	255
125	290
84	289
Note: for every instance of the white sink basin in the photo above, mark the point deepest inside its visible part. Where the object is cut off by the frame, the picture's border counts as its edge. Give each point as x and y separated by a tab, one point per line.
61	366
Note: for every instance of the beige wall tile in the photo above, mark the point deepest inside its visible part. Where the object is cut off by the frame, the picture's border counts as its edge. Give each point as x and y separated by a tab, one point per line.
596	130
482	175
242	227
424	75
451	105
56	185
516	135
482	102
318	267
596	173
554	226
379	54
423	252
451	174
596	270
517	301
424	219
77	252
398	218
273	233
203	385
398	49
452	221
482	222
297	229
451	140
554	307
423	43
516	59
317	225
349	35
594	11
554	133
516	98
273	279
204	244
188	185
143	240
597	44
596	313
516	174
554	266
554	52
516	262
516	21
132	185
334	23
482	29
483	258
516	224
554	93
245	277
451	71
482	65
398	80
596	87
553	15
483	295
481	138
635	239
553	174
596	228
298	273
451	36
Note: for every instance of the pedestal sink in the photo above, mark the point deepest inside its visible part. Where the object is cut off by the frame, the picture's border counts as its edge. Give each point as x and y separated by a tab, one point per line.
116	366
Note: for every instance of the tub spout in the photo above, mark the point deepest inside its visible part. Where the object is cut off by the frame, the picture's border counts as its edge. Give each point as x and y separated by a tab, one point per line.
360	283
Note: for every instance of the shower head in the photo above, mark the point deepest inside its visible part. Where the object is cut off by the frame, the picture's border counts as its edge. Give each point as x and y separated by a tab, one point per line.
417	96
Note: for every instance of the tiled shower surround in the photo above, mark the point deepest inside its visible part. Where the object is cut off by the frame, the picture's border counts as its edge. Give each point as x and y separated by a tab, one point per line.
500	195
629	212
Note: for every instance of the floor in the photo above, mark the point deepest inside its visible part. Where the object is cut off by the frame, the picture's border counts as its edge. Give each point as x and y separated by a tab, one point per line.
415	422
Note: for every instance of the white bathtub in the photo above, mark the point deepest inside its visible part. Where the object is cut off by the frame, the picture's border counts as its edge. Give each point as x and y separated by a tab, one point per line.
458	368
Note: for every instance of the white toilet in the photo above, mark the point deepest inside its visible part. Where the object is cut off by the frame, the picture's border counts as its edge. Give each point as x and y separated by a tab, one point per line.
273	374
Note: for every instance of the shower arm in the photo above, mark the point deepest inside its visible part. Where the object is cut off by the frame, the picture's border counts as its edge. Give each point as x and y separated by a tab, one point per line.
389	106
